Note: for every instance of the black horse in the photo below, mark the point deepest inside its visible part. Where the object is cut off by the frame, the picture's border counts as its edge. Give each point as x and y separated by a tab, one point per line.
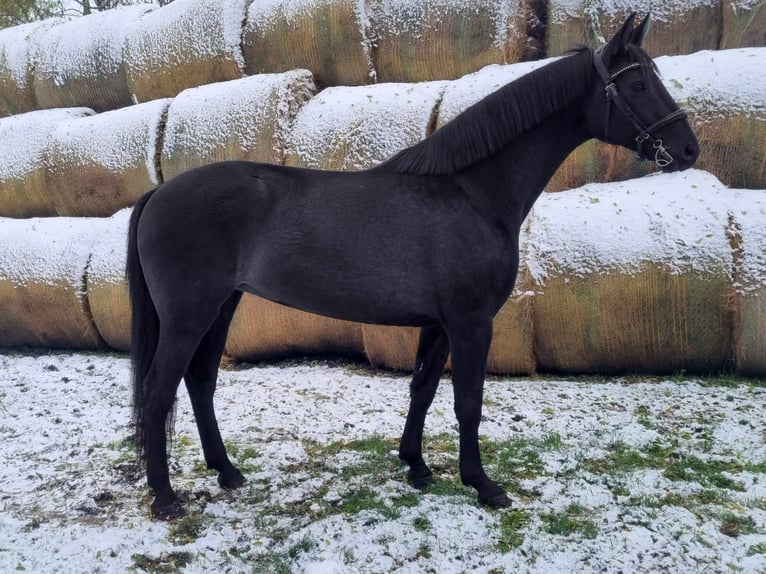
428	238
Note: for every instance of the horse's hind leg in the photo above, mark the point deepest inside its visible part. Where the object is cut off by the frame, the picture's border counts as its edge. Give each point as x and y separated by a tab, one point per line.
433	348
200	380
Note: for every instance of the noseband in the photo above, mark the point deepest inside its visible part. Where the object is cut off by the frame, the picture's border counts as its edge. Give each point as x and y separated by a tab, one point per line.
661	155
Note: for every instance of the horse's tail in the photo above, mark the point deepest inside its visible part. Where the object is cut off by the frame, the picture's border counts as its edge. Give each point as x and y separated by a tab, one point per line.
145	324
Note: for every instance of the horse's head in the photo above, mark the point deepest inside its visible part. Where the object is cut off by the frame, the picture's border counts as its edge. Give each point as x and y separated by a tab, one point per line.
630	107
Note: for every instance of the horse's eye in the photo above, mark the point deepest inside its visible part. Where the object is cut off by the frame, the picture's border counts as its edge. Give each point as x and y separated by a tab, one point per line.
638	86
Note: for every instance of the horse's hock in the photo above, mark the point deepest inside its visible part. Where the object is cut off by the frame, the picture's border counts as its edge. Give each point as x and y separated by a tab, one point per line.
656	315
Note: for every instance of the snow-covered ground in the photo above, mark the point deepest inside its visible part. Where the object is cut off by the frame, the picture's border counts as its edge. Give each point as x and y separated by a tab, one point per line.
636	474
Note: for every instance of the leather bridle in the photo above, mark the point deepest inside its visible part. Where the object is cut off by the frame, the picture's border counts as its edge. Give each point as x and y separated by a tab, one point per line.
661	155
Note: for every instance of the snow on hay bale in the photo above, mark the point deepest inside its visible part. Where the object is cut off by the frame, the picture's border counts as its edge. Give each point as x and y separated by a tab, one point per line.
23	189
678	26
81	62
440	40
184	44
42	291
99	164
18	46
354	128
747	233
240	119
107	289
725	91
284	35
633	276
744	24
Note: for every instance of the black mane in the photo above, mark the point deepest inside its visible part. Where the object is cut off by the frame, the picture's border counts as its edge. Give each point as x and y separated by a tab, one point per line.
489	125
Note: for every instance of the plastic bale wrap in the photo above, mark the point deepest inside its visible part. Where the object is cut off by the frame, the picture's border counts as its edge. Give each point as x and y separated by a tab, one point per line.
744	24
43	263
262	329
354	128
107	288
424	40
81	62
240	119
328	37
747	234
184	44
23	189
725	91
18	47
678	27
99	164
633	276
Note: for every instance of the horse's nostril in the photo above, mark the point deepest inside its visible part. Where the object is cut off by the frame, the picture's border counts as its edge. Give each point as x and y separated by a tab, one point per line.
690	151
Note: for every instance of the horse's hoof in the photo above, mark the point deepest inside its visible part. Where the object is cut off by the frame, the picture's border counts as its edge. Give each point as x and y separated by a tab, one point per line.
231	482
497	501
421	482
169	511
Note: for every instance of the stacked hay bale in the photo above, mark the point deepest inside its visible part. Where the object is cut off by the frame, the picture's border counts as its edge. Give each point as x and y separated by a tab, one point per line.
99	164
186	43
744	24
678	27
726	95
23	189
18	46
633	276
328	37
240	119
81	62
439	40
43	263
747	234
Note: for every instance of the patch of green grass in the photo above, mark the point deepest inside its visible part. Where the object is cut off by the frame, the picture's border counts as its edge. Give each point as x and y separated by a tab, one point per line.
573	520
165	563
734	525
270	563
512	526
244	458
367	499
421	524
187	528
759	548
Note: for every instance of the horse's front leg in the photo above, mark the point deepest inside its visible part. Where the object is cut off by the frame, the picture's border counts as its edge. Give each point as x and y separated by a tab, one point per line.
433	348
469	344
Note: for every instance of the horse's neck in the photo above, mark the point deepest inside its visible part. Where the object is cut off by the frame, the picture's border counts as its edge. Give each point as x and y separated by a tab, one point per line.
512	179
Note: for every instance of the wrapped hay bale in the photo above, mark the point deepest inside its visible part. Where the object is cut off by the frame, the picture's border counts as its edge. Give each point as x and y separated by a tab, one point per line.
107	289
23	189
359	127
184	44
440	40
18	46
678	27
633	276
43	263
99	164
262	329
744	24
747	234
725	91
80	63
328	37
241	119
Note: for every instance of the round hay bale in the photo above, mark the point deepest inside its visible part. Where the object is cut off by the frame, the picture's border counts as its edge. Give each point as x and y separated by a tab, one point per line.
23	189
18	46
107	289
328	37
747	235
425	40
240	119
80	63
678	27
744	24
99	164
633	276
184	44
359	127
389	347
43	263
725	92
262	329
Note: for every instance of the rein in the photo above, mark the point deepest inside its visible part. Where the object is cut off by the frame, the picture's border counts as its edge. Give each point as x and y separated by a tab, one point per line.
661	155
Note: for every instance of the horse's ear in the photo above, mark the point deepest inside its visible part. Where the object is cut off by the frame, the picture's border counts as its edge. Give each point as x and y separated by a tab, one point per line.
639	33
624	36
